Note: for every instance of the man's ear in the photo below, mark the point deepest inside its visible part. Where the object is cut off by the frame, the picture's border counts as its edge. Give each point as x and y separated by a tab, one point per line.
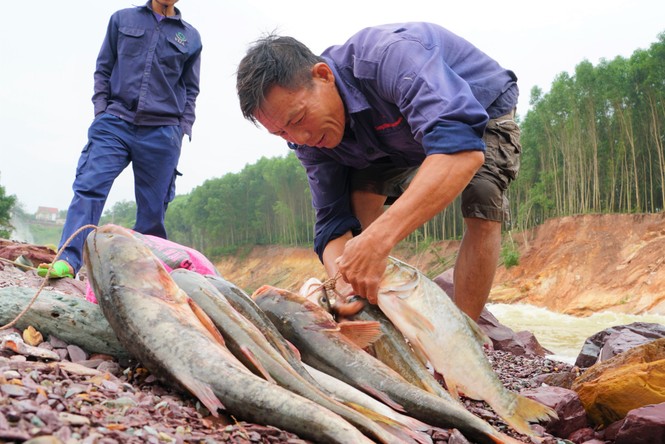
323	72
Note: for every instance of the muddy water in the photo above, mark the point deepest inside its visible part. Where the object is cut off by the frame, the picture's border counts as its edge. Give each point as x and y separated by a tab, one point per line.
562	334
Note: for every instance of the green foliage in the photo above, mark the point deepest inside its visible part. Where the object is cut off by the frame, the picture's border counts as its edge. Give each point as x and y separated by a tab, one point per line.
46	234
121	213
510	256
6	205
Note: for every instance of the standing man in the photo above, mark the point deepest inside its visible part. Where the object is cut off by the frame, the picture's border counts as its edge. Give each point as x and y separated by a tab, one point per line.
146	84
409	115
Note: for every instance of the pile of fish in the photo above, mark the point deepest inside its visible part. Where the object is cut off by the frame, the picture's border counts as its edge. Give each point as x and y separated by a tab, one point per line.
281	359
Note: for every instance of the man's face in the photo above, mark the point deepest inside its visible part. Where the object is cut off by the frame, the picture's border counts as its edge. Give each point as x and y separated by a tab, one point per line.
312	115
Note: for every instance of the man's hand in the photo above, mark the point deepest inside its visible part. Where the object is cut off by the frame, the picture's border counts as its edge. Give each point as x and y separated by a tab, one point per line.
362	265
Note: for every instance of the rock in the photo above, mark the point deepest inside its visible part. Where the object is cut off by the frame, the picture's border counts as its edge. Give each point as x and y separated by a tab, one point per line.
594	344
645	425
583	435
630	380
619	342
566	403
503	338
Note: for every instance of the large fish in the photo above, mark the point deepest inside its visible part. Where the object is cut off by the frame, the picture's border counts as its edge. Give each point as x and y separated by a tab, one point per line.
251	347
245	305
391	347
350	394
322	345
452	342
154	321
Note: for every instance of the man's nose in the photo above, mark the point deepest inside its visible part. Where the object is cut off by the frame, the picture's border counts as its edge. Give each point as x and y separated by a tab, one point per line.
298	136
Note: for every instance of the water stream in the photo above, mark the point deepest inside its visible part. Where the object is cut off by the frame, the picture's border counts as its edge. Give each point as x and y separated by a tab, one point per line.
562	334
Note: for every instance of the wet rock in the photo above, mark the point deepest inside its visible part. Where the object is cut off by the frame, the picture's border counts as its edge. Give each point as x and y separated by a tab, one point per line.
633	379
645	425
619	342
583	435
590	353
566	403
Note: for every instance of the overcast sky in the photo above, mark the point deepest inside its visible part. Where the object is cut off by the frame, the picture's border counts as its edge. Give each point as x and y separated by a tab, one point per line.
49	50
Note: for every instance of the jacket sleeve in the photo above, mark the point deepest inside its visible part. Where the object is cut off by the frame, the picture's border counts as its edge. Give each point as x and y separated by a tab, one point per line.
190	76
329	186
105	63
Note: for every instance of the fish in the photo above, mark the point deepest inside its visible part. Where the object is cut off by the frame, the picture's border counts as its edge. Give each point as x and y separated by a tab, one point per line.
391	347
323	346
159	326
452	343
245	305
250	346
350	394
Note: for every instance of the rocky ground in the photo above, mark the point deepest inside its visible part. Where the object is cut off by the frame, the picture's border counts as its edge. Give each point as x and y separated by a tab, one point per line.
96	399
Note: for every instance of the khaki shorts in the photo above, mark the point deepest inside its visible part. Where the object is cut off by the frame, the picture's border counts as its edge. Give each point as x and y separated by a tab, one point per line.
485	196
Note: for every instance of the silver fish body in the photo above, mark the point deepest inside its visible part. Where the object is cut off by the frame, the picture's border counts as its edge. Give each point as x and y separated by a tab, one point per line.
152	318
391	348
314	332
451	342
251	347
245	305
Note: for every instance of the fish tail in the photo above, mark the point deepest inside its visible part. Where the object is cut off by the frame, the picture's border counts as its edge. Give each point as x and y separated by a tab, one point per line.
406	435
527	410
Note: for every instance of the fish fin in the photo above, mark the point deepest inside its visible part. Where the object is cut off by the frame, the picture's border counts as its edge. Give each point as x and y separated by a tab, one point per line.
477	332
262	289
414	317
205	394
502	438
324	323
206	321
383	398
526	410
403	420
362	333
294	349
256	363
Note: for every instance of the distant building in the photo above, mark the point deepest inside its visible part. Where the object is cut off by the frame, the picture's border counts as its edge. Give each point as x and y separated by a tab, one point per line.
47	214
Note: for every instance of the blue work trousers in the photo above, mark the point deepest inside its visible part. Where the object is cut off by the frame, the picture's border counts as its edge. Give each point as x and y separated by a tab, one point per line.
113	143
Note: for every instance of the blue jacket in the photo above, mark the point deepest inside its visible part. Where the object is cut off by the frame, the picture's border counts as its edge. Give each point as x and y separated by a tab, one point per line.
148	70
410	90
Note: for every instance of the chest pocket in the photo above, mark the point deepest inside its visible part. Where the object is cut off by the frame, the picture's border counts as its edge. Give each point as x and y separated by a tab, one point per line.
174	57
131	41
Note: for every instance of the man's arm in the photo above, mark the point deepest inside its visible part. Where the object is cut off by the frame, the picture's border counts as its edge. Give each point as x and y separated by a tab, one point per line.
440	179
104	67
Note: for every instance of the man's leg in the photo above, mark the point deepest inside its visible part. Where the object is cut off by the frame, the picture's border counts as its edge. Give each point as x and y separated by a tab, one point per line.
155	156
485	207
476	264
100	163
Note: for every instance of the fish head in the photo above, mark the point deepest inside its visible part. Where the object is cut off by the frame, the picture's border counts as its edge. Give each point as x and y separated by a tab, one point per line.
115	257
331	301
314	291
399	278
292	311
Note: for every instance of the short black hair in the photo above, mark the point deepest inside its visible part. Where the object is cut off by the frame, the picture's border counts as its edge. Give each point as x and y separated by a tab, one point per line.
272	60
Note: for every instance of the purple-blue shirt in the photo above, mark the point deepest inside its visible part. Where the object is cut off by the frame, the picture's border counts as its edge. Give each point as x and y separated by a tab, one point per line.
410	90
148	69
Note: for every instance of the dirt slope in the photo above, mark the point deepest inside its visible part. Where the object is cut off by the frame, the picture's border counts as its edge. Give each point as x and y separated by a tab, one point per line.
575	265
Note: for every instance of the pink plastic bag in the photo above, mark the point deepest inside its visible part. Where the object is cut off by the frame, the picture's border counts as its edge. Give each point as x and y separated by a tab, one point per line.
172	255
